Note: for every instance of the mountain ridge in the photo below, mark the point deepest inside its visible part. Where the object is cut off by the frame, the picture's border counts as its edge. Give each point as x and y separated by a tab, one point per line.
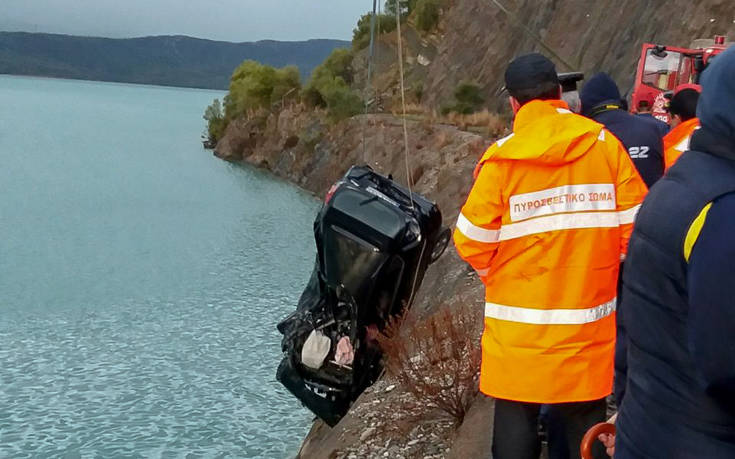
166	60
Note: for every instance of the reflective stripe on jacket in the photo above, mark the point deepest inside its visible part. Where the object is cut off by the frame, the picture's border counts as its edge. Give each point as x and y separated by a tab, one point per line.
546	225
677	141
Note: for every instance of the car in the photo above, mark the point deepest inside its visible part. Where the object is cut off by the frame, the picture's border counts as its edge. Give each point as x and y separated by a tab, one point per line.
375	240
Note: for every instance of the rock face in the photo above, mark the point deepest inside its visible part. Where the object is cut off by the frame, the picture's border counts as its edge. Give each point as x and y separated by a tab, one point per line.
476	39
604	35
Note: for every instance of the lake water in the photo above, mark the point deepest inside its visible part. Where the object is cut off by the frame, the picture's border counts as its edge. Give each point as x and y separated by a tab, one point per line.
141	280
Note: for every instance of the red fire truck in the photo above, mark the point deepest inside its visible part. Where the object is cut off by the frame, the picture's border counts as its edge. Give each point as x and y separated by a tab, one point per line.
662	68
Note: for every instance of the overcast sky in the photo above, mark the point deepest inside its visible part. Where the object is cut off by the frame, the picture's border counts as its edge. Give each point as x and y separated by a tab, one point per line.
231	20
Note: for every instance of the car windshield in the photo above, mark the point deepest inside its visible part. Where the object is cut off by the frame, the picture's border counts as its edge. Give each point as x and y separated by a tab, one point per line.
350	261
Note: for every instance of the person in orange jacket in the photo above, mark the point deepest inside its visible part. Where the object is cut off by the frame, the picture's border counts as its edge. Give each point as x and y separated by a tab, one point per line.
545	226
684	121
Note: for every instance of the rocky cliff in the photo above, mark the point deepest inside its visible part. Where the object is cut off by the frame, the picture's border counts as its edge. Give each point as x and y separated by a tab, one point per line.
475	39
297	145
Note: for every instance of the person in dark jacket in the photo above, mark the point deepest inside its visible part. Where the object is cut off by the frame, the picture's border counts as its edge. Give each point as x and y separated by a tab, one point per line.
678	296
644	111
601	102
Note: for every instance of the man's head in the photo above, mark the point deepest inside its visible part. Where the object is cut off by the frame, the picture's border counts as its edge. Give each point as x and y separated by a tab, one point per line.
569	91
683	105
600	93
645	104
531	77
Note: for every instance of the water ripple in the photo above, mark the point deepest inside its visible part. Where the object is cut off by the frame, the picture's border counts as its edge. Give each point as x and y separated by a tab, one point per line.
141	282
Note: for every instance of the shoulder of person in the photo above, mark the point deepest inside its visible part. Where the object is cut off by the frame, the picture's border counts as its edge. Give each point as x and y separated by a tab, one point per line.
714	223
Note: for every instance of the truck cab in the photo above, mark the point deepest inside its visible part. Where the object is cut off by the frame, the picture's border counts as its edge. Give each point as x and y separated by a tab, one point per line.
662	68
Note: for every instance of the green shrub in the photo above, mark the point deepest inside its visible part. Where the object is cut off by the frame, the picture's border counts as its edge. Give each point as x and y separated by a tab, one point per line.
469	99
418	91
407	6
342	102
385	23
426	14
215	118
336	65
329	86
255	86
339	64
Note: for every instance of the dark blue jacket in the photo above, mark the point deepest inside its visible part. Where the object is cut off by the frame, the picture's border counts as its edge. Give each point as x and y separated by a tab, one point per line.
662	127
677	314
642	140
601	101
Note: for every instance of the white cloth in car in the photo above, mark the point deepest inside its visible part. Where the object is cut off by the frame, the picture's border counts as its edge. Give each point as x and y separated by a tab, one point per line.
315	350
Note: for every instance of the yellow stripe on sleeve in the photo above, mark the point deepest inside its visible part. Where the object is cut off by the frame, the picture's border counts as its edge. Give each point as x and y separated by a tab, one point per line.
693	233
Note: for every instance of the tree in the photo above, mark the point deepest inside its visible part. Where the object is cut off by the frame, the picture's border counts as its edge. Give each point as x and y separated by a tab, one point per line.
426	14
407	6
342	102
385	23
329	86
255	86
215	118
286	84
469	98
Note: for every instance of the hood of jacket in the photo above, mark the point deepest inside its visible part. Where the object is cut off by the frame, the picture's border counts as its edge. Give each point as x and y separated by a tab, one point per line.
600	89
715	106
546	132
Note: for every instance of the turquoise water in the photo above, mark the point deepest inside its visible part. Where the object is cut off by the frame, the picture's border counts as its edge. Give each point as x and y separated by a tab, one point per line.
140	280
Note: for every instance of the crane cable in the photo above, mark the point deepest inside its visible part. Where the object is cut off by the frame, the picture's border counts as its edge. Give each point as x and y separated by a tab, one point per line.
409	179
369	79
403	100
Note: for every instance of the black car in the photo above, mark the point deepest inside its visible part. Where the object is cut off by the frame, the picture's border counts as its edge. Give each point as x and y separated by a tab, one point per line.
374	241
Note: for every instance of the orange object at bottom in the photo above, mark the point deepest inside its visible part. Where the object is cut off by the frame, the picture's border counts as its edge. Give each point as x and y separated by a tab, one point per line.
589	439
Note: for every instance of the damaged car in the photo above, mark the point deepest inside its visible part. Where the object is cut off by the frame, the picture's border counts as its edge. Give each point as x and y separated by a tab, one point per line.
374	242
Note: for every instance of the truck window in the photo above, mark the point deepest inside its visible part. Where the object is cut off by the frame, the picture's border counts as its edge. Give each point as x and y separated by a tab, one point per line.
662	72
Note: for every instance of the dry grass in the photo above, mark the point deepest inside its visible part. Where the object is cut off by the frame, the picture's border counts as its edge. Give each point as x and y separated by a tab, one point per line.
484	122
436	359
416	109
492	124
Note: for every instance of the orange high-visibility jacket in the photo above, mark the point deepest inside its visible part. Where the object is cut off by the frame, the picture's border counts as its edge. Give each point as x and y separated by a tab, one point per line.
545	226
677	140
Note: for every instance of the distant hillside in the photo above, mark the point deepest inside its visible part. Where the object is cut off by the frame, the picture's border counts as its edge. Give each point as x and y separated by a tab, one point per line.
165	60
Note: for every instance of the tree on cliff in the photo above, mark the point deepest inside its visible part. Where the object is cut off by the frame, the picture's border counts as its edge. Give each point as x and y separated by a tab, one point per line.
215	118
407	6
329	86
255	86
385	23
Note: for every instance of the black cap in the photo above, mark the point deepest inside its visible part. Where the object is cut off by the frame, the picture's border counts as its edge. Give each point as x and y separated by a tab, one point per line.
569	80
530	71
